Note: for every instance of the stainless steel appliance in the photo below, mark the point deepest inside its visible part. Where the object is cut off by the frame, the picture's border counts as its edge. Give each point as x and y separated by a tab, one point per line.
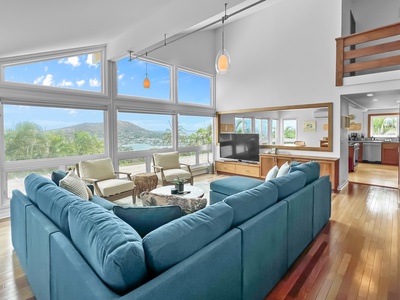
372	152
353	156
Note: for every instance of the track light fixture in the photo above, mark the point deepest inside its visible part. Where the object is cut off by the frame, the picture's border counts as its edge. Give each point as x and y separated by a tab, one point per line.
223	59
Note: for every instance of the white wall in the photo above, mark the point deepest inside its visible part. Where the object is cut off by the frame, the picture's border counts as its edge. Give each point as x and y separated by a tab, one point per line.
282	55
195	52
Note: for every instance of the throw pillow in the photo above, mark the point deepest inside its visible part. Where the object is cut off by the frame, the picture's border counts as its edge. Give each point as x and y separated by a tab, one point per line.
189	205
283	170
146	219
75	185
272	173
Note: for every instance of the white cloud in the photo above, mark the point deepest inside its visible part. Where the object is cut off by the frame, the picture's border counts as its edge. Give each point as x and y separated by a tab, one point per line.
65	83
38	80
94	82
121	76
73	61
80	82
72	111
93	60
48	80
46	68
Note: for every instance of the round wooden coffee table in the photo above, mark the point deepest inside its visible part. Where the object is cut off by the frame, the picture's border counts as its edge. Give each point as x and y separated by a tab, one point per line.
189	191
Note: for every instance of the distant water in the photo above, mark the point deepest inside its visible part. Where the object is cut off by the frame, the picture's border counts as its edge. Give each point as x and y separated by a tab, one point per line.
139	147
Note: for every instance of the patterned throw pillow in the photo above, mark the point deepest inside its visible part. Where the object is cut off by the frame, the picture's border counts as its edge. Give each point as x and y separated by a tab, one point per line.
188	205
75	185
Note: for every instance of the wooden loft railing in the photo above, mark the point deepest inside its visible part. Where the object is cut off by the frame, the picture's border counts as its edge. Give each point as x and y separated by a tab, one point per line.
346	50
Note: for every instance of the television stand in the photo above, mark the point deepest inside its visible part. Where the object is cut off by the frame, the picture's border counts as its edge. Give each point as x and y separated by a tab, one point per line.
251	169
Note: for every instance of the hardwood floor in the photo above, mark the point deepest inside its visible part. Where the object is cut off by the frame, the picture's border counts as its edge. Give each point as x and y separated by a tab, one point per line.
375	174
355	256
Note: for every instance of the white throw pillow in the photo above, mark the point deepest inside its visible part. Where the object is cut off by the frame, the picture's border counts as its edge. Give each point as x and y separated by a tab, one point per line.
283	170
75	185
272	173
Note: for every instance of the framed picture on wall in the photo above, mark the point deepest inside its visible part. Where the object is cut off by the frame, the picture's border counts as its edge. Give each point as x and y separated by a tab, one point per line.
310	126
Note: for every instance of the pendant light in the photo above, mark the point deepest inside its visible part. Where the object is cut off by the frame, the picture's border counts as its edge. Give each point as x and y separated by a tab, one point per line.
146	81
223	59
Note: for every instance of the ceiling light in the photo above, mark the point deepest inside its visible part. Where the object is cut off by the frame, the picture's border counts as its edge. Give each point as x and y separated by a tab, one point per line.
223	59
146	81
370	95
375	100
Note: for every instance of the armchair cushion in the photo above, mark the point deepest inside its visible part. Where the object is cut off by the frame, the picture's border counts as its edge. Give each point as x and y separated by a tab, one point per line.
171	174
115	186
169	160
100	169
146	219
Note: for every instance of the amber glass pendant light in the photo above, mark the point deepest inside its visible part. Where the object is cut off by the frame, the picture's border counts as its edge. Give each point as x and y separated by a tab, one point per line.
146	81
223	59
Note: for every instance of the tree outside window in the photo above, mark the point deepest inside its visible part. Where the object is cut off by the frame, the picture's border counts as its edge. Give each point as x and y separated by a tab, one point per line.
289	131
383	125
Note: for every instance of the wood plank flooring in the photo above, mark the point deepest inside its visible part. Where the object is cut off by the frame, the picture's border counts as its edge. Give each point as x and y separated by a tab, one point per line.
375	174
355	256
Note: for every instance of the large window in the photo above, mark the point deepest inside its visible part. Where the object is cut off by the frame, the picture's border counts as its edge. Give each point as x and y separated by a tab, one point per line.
130	75
194	88
243	125
383	125
195	132
262	128
33	132
139	132
289	131
80	72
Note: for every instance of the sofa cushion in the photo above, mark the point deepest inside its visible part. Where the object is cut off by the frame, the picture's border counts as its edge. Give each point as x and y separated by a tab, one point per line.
272	173
234	184
311	169
283	170
75	185
170	244
32	183
289	184
188	205
56	176
249	203
54	202
146	219
110	246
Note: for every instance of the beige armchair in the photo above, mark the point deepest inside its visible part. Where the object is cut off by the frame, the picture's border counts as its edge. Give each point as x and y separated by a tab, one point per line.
167	167
107	184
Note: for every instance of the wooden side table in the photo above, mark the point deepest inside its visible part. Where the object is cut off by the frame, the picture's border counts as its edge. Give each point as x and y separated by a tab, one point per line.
145	182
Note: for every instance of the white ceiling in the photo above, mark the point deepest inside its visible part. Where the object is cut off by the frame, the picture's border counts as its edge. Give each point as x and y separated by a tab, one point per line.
385	100
28	27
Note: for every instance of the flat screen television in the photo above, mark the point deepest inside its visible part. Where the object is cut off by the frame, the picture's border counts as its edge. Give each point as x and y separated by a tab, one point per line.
239	146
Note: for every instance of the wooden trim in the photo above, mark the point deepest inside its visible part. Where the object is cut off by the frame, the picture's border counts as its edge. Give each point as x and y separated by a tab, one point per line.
328	105
339	62
372	35
377	49
373	64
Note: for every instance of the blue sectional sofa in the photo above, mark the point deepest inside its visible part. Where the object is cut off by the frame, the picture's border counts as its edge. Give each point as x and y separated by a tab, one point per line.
237	248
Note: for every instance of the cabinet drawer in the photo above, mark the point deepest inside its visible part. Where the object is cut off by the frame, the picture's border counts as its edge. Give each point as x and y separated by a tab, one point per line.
248	170
225	167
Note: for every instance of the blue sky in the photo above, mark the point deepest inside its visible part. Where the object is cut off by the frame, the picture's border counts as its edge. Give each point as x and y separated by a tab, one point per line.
76	72
84	73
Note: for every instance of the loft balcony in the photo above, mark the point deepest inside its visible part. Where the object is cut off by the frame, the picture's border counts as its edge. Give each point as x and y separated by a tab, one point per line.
373	54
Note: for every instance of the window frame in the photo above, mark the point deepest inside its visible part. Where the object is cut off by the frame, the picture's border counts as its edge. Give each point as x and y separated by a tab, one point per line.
53	55
370	116
289	141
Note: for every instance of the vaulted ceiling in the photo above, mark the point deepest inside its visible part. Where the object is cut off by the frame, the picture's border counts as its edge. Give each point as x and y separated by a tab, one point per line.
28	27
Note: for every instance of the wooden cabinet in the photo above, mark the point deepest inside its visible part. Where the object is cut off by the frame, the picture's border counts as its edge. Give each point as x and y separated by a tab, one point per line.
360	152
390	154
329	165
238	168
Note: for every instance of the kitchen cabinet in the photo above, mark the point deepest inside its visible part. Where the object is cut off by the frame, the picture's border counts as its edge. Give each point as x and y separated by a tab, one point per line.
360	152
390	154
